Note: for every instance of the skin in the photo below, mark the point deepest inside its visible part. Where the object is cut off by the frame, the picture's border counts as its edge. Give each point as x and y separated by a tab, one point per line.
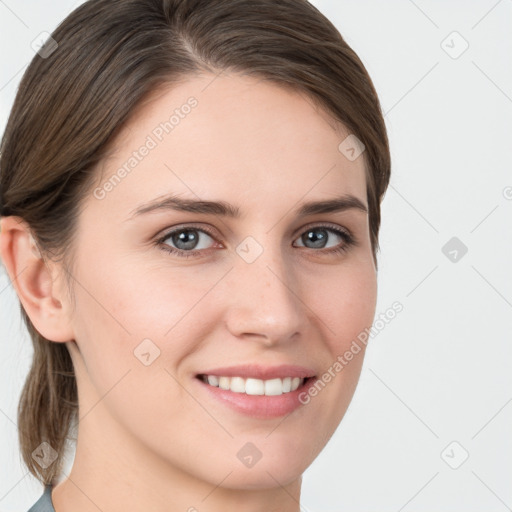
149	437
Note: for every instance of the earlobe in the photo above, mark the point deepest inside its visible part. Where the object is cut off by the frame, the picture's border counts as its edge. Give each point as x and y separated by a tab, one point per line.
34	280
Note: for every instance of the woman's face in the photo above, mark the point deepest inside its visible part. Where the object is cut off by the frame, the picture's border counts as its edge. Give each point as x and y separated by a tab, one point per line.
260	289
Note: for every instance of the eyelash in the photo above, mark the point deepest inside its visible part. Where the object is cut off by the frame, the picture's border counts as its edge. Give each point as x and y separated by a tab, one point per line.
349	239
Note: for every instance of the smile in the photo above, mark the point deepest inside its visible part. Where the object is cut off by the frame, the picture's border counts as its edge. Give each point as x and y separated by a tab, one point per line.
258	398
251	386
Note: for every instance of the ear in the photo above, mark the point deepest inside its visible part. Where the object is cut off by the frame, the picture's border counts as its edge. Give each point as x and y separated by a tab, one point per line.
37	282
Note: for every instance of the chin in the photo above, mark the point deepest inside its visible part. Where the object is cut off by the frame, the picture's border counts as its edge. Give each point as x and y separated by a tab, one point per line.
263	477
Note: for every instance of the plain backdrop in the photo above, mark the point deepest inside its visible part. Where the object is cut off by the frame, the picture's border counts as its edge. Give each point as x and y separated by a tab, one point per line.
429	427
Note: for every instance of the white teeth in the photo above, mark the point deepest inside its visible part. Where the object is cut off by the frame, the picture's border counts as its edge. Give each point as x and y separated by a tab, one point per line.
271	387
212	380
274	387
224	382
254	387
237	385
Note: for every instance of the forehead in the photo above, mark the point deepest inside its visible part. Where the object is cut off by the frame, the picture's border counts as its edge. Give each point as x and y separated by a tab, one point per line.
229	137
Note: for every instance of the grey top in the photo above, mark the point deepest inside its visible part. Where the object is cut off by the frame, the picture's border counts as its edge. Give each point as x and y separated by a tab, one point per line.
44	503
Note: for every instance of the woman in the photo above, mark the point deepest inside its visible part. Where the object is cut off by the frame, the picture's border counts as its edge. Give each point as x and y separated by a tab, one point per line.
190	198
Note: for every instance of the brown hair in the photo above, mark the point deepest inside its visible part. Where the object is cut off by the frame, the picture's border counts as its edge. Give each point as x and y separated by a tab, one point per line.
73	101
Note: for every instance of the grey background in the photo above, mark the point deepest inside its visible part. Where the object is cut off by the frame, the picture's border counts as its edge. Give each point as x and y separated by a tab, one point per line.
440	371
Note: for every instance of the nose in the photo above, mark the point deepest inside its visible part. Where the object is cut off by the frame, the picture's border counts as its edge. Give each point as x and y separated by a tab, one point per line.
265	302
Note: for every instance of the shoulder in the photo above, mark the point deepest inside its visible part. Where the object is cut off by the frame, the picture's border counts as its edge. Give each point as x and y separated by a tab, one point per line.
44	503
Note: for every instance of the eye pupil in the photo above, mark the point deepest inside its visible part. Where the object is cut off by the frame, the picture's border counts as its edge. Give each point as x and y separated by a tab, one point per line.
187	237
318	240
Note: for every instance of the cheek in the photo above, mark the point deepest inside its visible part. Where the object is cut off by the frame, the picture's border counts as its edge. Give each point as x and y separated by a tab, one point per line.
143	300
122	319
346	309
348	306
124	312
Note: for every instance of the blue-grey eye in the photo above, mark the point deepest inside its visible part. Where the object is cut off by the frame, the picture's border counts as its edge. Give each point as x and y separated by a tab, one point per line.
317	238
188	239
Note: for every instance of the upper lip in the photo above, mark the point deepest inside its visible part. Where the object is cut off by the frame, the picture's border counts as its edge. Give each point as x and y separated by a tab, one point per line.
255	371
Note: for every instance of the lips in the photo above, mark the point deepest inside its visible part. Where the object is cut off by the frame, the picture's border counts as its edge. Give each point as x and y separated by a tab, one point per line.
257	405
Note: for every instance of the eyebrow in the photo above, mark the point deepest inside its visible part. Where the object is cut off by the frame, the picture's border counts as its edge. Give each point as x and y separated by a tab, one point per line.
222	208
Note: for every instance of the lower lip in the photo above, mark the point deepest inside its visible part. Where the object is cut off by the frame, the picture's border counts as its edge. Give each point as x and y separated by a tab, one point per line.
260	406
